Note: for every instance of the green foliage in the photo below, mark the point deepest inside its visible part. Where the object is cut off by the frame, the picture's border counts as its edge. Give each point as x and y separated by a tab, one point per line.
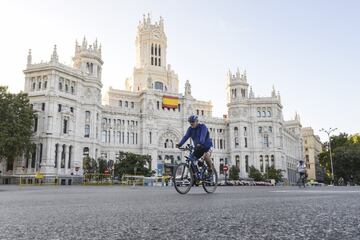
255	174
90	165
102	165
234	173
16	121
346	158
273	173
134	164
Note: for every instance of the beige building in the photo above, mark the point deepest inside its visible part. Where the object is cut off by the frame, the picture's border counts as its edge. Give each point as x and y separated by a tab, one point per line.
312	149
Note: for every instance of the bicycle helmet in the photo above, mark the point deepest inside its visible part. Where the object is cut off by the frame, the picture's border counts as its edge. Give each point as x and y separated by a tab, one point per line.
192	118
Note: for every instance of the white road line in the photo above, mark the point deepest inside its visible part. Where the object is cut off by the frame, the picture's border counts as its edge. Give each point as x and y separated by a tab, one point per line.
312	191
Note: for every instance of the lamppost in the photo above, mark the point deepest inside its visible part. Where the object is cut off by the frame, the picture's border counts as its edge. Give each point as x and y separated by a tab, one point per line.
328	132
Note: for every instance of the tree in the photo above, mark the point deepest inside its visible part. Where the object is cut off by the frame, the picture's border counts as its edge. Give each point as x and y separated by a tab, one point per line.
90	165
255	174
274	173
234	173
346	158
16	121
131	163
102	165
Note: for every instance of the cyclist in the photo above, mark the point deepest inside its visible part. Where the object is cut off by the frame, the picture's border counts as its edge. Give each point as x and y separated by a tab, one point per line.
301	168
200	135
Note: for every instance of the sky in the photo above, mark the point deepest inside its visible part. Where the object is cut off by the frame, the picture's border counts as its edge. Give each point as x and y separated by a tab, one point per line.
308	50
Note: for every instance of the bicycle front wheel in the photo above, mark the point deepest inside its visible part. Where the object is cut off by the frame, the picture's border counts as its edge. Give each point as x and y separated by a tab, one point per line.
183	178
210	181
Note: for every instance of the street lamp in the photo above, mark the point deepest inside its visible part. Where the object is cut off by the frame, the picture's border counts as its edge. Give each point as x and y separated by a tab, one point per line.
328	132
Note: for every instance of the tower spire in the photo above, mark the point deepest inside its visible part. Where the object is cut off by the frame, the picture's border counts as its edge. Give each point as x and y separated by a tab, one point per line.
54	56
273	93
29	58
251	94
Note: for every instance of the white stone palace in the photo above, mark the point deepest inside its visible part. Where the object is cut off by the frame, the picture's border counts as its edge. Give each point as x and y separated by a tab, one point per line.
149	117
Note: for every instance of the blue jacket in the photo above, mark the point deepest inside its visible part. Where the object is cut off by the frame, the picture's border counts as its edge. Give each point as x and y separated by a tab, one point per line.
199	135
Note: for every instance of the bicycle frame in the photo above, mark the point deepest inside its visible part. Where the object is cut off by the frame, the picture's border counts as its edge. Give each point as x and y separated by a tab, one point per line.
190	160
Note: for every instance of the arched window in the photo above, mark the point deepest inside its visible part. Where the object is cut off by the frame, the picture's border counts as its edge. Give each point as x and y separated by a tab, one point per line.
236	131
272	161
85	152
155	50
159	50
171	144
159	86
152	50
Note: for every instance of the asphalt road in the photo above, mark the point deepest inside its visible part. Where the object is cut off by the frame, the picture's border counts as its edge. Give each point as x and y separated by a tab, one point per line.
114	212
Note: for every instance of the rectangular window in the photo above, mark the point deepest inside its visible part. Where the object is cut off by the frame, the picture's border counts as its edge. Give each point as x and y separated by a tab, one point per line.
40	153
120	103
56	155
59	107
266	140
247	163
158	105
35	123
260	129
43	106
65	126
126	103
221	167
243	93
132	104
150	137
127	138
245	142
33	158
45	84
87	131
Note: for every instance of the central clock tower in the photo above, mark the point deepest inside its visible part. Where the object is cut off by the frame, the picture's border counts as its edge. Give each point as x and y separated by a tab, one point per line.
151	70
150	44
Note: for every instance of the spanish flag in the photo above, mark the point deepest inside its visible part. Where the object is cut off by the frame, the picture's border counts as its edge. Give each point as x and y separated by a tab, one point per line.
170	102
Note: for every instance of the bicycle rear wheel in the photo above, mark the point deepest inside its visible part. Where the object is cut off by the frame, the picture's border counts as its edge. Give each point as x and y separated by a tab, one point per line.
183	178
210	181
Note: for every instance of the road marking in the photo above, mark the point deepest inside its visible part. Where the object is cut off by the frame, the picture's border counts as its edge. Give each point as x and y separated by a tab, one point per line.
313	191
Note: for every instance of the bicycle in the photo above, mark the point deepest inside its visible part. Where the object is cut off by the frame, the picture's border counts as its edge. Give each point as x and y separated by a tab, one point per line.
302	180
191	173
